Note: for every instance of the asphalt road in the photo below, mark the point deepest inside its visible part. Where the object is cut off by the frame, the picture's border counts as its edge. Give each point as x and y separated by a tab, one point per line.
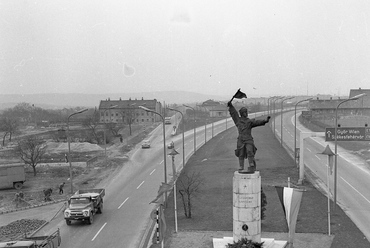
353	177
126	204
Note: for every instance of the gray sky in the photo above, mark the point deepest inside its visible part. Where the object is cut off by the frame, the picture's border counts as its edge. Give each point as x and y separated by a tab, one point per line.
210	46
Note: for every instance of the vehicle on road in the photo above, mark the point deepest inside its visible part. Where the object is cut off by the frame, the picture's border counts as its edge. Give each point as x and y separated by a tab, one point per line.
145	144
12	176
171	145
51	241
84	204
167	120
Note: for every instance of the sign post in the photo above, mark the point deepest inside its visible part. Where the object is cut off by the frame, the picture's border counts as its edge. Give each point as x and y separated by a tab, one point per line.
348	134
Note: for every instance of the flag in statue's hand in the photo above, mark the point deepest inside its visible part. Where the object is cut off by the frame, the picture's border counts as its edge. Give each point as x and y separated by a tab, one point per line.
239	95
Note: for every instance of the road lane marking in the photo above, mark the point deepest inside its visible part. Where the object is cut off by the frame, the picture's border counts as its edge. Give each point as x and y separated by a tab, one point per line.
161	162
152	172
309	150
99	231
318	157
355	190
123	203
140	184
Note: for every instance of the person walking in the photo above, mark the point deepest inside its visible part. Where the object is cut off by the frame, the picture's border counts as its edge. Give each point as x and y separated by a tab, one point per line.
61	186
245	147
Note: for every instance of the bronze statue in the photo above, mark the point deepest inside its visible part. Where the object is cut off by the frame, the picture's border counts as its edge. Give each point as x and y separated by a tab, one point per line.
245	147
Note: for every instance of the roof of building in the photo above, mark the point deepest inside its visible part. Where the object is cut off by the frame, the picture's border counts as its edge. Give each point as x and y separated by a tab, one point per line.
363	102
105	104
210	102
218	108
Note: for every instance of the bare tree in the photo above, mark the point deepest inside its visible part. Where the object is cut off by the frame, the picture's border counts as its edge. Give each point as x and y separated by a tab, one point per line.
92	123
31	150
8	126
189	185
114	128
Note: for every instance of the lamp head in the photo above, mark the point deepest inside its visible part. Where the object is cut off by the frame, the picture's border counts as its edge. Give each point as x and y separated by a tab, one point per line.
358	96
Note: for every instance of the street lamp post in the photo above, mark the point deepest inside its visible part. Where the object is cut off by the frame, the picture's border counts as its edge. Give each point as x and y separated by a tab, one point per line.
164	146
105	138
269	105
205	124
274	109
173	153
336	146
281	119
195	146
295	129
212	128
183	138
130	117
69	147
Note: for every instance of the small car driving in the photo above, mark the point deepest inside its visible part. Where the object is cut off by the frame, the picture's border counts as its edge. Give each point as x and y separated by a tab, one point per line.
145	144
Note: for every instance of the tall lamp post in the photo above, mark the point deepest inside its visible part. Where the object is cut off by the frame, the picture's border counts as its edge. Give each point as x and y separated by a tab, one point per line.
164	145
281	118
274	100
69	147
205	125
269	105
183	138
105	138
336	146
295	129
195	146
173	153
130	117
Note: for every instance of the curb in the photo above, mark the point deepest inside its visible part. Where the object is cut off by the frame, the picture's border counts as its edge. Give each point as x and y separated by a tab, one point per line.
33	206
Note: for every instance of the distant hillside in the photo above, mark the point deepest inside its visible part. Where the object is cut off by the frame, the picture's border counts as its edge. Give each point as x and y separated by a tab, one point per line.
54	101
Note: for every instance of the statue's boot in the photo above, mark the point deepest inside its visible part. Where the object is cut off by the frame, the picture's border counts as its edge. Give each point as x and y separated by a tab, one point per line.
241	165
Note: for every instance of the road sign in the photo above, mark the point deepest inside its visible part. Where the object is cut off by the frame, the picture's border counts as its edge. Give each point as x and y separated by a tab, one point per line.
348	134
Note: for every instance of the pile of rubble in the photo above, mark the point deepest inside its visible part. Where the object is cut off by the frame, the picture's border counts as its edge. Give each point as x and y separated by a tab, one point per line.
19	228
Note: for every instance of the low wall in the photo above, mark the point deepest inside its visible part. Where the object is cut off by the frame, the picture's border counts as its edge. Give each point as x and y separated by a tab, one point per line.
79	164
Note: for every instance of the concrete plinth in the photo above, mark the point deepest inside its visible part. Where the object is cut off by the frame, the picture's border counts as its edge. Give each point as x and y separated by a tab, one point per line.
247	206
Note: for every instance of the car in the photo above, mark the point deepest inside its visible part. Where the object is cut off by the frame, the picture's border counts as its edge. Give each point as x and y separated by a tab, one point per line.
145	144
171	145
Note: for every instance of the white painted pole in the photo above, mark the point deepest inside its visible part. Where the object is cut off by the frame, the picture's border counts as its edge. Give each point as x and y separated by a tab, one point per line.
328	184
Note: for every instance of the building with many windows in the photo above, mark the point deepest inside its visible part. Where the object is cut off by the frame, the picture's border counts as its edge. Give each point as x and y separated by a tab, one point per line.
215	108
350	113
128	111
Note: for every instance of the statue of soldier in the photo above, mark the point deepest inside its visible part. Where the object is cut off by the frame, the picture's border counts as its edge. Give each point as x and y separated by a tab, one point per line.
245	144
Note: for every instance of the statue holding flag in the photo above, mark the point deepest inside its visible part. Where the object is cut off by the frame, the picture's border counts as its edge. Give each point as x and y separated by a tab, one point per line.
245	147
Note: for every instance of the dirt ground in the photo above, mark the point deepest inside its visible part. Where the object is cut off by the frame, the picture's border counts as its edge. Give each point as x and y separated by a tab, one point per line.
50	176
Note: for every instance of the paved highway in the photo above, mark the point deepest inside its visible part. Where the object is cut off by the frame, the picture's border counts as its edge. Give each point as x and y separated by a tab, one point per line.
353	195
126	211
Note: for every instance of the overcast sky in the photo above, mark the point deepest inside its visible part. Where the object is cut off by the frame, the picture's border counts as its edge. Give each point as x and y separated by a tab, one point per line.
215	47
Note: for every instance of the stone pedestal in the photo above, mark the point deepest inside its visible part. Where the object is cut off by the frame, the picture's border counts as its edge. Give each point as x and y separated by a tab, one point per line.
247	206
247	213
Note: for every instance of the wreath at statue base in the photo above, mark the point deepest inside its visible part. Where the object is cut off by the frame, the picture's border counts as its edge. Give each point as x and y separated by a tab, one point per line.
245	243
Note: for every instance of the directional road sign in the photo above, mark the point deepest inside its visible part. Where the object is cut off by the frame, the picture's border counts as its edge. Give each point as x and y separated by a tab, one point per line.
348	134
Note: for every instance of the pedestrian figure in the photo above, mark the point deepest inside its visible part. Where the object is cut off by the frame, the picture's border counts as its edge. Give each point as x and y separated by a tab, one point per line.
245	147
47	194
61	188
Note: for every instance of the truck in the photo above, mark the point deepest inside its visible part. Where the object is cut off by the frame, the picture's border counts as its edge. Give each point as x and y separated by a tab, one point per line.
83	205
51	241
12	176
